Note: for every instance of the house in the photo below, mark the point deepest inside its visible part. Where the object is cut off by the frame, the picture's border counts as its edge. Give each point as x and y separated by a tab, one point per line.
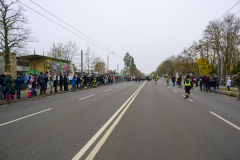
44	64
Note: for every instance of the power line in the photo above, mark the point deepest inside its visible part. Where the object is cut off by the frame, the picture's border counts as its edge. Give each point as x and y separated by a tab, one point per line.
217	21
69	25
63	27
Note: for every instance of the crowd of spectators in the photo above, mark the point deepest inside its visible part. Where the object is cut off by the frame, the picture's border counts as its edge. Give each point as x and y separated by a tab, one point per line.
42	81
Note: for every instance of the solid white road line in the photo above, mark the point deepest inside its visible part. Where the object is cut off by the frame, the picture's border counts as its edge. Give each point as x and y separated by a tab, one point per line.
238	128
94	138
25	117
104	138
108	90
87	97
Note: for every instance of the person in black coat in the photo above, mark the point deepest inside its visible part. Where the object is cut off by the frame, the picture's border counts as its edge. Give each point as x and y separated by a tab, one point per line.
2	79
55	83
61	81
78	81
65	82
18	85
46	80
173	80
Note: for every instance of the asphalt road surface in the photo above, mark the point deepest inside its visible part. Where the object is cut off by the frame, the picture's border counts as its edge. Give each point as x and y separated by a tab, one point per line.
124	121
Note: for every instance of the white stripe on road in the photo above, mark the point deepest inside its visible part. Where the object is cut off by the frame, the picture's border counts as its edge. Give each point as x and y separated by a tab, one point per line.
168	87
104	138
25	117
118	86
108	90
238	128
87	97
94	138
175	91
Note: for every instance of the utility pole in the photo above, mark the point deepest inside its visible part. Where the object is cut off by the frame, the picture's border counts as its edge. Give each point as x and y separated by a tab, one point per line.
117	68
88	65
82	63
34	62
108	61
221	64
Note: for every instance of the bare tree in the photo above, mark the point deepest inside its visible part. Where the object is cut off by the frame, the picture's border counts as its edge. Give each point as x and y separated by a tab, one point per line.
13	32
89	57
99	65
65	51
57	50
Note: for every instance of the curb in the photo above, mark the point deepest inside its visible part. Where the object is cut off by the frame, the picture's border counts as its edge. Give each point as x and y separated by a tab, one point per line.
46	95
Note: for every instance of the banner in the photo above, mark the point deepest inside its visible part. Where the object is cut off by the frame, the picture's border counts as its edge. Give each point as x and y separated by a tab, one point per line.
60	67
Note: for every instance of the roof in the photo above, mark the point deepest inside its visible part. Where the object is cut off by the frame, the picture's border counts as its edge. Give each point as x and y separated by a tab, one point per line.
31	57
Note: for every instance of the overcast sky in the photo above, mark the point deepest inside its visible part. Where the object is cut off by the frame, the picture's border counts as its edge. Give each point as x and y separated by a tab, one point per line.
150	30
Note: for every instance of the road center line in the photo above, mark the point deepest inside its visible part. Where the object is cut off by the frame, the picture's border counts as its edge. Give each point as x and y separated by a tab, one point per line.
104	138
87	97
94	138
25	117
238	128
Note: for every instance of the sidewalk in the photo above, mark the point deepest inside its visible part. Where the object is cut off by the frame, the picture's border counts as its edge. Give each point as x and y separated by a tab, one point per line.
24	93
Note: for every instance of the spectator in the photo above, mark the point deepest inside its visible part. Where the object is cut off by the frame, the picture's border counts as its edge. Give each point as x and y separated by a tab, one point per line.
51	83
78	81
203	83
207	84
65	82
26	80
173	80
237	79
197	80
61	81
200	83
214	84
55	79
46	80
229	84
68	81
9	81
18	85
37	82
30	82
3	85
42	82
34	85
74	82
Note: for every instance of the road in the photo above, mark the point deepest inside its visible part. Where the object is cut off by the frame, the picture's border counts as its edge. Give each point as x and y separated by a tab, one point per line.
124	121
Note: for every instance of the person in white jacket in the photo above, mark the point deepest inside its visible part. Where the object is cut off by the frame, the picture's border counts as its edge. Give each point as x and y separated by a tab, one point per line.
229	84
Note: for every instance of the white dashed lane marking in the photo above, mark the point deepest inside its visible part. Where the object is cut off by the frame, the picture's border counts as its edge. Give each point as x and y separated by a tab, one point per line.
86	97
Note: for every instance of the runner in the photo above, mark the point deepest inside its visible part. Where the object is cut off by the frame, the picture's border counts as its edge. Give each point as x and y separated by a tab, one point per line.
188	86
167	79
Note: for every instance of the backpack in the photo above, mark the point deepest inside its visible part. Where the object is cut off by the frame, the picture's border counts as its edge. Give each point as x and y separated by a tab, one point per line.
208	81
4	81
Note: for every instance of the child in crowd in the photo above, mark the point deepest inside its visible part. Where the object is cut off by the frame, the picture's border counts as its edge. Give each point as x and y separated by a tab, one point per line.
74	82
30	81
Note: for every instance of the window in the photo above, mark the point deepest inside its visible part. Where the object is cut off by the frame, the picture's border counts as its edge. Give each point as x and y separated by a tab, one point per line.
23	63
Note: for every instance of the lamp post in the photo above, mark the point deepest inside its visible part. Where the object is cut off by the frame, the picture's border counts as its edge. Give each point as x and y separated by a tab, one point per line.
108	61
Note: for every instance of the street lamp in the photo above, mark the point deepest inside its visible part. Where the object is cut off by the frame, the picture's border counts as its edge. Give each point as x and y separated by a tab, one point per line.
108	61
